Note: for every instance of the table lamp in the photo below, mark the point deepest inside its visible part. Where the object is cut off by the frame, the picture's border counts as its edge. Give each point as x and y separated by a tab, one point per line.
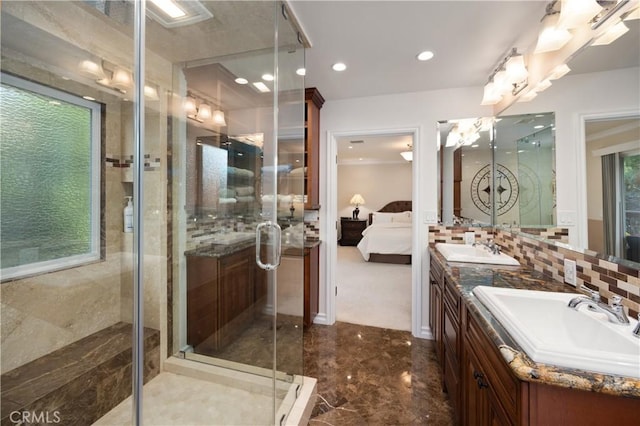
356	200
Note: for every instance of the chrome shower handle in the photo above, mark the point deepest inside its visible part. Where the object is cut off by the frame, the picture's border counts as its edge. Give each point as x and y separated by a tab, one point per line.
278	250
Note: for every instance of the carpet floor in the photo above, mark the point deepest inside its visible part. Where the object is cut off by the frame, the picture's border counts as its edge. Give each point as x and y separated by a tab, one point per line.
374	294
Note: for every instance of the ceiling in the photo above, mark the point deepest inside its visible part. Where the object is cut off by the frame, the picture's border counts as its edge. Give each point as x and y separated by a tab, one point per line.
379	41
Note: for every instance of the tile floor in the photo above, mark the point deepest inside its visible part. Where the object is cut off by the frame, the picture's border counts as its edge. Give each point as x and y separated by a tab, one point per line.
373	376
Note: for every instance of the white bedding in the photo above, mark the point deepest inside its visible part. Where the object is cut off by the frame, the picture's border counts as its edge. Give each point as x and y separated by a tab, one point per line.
386	238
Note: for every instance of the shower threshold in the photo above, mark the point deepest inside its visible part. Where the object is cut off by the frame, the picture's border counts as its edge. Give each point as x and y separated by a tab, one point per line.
193	393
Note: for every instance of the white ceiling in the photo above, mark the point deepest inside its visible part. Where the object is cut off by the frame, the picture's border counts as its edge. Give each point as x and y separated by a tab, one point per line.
379	40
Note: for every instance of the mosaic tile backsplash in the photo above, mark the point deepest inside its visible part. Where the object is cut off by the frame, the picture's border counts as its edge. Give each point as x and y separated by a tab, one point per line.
593	270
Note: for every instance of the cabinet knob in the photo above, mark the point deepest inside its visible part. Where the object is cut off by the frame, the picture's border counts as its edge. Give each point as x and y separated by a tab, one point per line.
480	380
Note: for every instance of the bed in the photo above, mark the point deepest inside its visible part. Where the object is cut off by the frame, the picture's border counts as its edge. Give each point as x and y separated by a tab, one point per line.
388	238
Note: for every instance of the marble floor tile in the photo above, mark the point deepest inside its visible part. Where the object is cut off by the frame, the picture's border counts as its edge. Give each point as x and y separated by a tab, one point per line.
374	376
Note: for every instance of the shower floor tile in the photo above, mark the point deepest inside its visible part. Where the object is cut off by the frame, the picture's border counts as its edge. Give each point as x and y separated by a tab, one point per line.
172	399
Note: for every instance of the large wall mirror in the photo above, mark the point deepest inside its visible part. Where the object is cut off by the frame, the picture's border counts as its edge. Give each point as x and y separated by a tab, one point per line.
612	159
498	171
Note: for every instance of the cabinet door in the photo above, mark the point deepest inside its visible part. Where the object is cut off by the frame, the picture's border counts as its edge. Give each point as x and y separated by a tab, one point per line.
202	298
475	398
311	284
236	293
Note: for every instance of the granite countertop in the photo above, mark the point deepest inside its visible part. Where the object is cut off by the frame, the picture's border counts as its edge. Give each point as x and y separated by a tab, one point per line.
221	250
468	276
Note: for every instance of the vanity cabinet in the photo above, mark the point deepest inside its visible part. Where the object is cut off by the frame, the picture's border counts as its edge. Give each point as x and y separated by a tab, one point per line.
490	395
311	283
482	387
313	104
222	295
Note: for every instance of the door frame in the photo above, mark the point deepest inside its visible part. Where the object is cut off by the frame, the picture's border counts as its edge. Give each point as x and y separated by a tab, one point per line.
331	219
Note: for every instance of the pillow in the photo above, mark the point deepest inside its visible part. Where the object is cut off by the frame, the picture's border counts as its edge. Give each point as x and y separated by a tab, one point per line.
227	193
404	217
382	217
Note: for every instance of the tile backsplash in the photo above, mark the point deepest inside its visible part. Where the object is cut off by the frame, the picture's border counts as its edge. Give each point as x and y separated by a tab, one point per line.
593	270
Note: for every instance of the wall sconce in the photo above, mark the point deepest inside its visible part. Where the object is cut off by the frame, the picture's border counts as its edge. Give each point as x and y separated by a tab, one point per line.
121	79
552	37
92	69
356	200
510	76
407	155
202	112
574	13
218	118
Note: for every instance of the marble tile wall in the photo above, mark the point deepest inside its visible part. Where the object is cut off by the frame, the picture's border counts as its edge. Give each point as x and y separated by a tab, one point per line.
80	382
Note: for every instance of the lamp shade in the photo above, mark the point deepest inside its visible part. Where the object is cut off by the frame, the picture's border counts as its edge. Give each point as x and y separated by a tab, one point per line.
574	13
515	68
121	79
356	200
218	118
407	155
204	112
552	37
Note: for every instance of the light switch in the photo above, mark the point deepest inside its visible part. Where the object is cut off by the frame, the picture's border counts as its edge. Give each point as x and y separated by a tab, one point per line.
431	217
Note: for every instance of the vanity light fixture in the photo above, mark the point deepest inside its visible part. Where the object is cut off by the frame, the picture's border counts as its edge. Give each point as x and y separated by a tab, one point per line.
204	112
612	34
121	79
408	155
218	118
510	76
552	37
91	69
574	13
339	66
529	96
190	106
151	93
559	71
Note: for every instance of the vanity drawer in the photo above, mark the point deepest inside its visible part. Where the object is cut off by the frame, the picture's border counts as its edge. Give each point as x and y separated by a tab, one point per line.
436	270
452	299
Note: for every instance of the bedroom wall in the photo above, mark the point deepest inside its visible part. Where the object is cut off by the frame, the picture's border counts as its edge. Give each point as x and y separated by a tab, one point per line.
377	183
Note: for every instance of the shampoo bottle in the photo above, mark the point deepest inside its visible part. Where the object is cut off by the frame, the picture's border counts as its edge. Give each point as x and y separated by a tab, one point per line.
128	216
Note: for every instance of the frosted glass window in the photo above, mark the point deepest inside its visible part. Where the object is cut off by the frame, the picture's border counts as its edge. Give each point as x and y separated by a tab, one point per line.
49	179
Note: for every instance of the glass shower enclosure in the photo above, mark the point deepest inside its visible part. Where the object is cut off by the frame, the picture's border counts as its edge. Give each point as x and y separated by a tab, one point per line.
196	114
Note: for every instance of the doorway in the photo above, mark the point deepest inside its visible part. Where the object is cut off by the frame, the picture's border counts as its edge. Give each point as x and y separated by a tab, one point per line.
372	172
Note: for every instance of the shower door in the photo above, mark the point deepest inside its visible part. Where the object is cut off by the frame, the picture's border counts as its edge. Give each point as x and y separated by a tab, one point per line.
236	192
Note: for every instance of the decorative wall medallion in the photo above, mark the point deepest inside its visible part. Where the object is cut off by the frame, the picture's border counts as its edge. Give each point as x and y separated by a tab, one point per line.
506	189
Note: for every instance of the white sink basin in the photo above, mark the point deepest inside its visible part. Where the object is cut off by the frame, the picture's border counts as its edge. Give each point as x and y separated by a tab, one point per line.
552	333
233	237
473	254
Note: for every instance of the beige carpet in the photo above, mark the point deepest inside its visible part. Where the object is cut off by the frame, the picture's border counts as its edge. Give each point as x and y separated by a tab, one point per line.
374	294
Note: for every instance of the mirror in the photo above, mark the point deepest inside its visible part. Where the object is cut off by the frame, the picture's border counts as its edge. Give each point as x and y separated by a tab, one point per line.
498	171
612	148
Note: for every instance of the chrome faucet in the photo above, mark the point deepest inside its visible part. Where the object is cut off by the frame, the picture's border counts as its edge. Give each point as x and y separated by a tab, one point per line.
614	311
490	245
636	331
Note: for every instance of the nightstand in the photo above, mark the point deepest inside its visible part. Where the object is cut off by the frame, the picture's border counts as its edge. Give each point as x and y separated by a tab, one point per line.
351	231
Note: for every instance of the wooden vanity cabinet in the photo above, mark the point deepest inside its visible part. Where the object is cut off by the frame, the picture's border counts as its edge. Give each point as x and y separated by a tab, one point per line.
311	284
222	295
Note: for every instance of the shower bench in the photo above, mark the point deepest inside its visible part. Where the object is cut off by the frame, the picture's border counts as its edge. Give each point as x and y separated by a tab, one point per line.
78	383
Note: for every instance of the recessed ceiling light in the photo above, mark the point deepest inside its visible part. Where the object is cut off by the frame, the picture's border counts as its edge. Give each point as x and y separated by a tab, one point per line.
267	77
89	98
360	158
261	86
539	126
350	147
425	56
170	8
339	66
475	146
241	80
301	71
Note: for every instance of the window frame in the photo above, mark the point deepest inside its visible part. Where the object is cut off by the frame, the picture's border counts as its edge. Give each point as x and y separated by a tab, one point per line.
95	252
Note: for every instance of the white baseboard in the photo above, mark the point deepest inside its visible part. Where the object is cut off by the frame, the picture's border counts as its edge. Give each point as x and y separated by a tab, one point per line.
321	319
425	333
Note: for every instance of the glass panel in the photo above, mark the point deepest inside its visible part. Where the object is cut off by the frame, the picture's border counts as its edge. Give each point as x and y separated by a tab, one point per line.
68	329
290	213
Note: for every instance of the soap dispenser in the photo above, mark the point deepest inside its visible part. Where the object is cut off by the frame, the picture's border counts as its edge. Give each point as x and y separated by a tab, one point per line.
128	215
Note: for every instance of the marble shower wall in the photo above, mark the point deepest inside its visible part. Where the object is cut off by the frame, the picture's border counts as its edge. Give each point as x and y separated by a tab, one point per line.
46	312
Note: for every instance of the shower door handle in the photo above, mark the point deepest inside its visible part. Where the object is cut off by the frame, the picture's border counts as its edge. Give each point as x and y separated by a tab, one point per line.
278	250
